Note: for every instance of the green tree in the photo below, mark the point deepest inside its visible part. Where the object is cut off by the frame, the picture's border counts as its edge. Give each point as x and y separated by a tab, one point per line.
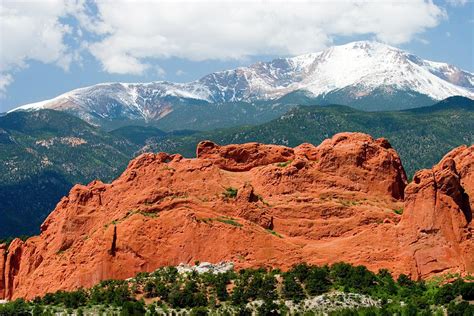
292	290
130	308
317	281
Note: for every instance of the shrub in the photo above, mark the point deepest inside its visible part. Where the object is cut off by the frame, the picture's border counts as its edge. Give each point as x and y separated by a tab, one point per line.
398	211
317	282
111	292
189	296
467	291
230	221
300	271
230	193
16	308
292	290
461	309
199	311
133	309
284	164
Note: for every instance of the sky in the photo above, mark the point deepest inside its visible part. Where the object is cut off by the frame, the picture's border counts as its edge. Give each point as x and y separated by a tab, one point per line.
48	47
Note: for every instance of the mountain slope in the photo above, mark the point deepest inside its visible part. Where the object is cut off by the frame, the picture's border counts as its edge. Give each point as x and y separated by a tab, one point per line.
360	74
42	155
421	136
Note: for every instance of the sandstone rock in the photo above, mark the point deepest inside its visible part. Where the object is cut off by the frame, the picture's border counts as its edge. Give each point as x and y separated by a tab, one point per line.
437	221
318	204
243	157
3	255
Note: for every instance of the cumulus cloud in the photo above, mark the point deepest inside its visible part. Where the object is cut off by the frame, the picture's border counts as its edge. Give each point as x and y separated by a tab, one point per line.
199	30
126	36
5	80
31	30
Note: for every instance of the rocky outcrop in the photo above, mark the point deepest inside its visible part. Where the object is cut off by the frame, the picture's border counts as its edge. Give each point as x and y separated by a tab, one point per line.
437	222
3	256
243	157
254	205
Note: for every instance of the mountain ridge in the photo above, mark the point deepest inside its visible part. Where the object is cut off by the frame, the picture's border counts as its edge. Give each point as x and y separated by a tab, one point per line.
355	74
43	154
431	131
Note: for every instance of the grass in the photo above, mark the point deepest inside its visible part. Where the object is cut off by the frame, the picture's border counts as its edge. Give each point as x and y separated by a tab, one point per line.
149	214
229	221
230	193
274	233
284	164
223	219
206	220
168	168
260	198
178	196
398	211
130	213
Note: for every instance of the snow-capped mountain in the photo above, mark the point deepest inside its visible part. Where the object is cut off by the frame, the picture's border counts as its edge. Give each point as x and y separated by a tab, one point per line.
348	74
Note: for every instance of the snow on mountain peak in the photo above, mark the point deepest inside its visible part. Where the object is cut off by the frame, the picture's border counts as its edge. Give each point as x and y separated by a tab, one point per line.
362	66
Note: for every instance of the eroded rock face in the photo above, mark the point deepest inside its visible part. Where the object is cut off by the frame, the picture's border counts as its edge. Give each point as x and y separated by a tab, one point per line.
437	222
243	157
318	204
3	255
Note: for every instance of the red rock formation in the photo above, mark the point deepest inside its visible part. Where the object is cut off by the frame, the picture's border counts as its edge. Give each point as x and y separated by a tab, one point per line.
3	254
437	223
318	204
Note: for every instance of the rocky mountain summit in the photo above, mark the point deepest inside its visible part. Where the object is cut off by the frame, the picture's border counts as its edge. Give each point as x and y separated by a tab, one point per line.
366	75
254	205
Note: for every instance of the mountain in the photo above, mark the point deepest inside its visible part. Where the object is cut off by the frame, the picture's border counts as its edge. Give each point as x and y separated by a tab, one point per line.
365	75
421	136
255	205
42	154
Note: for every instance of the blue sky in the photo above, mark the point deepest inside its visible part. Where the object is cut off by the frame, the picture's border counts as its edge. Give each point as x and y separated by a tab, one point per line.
50	47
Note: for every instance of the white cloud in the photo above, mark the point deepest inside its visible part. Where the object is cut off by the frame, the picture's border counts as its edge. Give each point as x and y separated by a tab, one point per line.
5	80
457	3
180	72
160	72
125	36
32	30
135	31
423	41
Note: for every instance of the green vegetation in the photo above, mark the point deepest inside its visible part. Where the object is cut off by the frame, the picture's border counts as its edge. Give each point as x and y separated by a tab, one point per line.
266	292
230	193
274	233
229	221
398	211
420	136
222	219
8	240
284	164
42	155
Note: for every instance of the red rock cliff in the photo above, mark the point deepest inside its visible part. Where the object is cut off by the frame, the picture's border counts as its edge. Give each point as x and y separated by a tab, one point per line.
319	204
437	224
